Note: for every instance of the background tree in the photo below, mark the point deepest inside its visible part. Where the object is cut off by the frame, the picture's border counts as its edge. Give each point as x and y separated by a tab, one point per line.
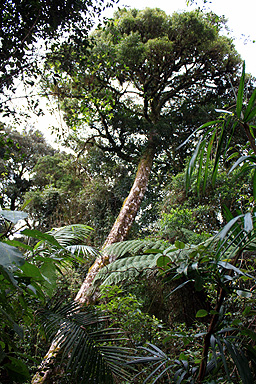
24	23
70	189
18	155
138	68
189	216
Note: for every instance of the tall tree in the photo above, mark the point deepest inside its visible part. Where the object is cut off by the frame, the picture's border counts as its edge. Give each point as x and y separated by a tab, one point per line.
124	89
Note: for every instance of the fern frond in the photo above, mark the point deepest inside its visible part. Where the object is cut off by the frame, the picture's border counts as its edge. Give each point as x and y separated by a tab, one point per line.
133	247
139	257
133	258
128	268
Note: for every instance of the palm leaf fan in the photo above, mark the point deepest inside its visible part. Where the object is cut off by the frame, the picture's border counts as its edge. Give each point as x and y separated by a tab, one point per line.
90	350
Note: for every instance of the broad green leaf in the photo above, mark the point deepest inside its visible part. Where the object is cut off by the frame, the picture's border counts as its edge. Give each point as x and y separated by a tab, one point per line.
201	313
8	276
163	261
239	102
41	236
17	366
13	216
179	244
18	330
199	282
48	271
16	243
30	270
10	255
153	251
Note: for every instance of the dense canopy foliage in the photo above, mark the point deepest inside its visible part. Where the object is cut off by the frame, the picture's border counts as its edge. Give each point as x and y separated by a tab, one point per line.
24	23
139	72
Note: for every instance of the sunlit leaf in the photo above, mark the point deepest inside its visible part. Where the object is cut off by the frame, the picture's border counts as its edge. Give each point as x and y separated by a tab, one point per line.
201	313
41	236
13	216
10	255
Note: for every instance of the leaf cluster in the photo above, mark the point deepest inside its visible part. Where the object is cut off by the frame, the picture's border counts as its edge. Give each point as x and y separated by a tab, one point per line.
28	277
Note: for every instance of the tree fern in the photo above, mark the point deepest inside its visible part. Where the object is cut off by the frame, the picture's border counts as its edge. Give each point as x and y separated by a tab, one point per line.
138	257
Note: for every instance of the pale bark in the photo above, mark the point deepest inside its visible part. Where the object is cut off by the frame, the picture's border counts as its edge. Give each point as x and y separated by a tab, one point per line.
123	223
119	232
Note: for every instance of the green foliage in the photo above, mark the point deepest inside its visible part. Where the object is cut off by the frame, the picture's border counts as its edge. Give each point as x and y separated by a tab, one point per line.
216	137
18	155
125	311
23	24
181	212
155	55
28	280
68	189
138	258
183	224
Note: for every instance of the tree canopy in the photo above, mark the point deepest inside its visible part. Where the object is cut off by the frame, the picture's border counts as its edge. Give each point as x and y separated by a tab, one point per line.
24	23
141	67
18	156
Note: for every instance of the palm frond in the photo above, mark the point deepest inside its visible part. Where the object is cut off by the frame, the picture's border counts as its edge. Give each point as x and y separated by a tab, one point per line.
82	336
238	234
71	234
84	250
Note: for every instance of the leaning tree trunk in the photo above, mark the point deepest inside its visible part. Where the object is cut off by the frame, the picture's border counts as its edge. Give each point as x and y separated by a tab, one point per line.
123	223
119	232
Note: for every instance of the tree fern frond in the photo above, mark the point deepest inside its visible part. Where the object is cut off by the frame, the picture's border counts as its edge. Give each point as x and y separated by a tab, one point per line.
138	257
133	247
127	268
